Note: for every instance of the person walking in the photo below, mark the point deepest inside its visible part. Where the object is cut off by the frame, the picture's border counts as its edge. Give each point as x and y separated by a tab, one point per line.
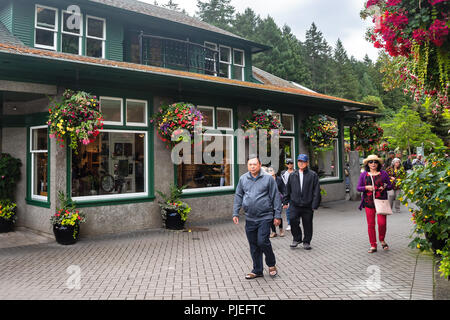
374	181
281	190
407	164
257	194
285	176
303	197
396	174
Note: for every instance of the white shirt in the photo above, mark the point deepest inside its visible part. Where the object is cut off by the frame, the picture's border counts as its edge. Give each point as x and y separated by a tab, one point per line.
300	174
285	176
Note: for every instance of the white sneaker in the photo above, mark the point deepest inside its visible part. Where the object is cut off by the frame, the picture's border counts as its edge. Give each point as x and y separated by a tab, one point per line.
288	227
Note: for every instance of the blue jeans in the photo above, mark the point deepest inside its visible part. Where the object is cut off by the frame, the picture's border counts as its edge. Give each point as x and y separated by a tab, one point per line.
288	216
258	233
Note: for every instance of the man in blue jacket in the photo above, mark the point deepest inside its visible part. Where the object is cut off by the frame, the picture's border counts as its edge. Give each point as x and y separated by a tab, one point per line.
257	194
303	197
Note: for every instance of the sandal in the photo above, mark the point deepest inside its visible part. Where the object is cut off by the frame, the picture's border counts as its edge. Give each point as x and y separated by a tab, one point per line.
385	246
252	275
372	250
273	235
273	271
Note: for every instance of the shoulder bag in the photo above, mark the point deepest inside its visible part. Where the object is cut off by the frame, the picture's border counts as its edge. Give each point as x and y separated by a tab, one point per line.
381	206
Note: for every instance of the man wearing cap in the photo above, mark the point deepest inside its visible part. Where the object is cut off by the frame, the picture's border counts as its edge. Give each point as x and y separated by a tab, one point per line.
285	176
303	197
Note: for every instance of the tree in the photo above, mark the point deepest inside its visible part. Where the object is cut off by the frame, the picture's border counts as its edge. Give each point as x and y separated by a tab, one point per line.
216	12
406	130
245	24
376	102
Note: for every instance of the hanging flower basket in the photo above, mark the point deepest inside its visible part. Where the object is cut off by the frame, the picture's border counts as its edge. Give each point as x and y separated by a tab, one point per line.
172	119
319	132
263	119
76	118
367	135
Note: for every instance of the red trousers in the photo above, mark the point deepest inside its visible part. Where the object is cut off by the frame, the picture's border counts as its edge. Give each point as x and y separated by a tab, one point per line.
381	220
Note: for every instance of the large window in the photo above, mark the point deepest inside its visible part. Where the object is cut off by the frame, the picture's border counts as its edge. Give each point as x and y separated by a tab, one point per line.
215	172
39	163
114	166
95	37
46	27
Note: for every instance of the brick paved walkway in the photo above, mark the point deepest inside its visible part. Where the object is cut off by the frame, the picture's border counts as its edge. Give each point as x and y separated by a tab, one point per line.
161	264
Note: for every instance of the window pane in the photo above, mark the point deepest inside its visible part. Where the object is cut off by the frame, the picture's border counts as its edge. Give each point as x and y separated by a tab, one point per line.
95	28
45	38
225	54
238	57
325	163
208	116
288	122
238	73
136	111
72	23
40	182
94	48
224	118
45	18
209	173
113	164
70	44
111	109
39	139
224	70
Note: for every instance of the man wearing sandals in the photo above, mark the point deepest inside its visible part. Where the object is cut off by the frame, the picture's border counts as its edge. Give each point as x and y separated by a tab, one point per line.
257	194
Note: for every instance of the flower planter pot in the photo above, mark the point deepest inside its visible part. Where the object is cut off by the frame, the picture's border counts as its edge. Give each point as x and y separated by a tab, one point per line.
173	221
65	234
6	225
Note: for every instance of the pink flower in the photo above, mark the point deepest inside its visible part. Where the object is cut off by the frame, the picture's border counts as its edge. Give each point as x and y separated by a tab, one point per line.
435	2
86	141
391	3
420	35
372	3
438	32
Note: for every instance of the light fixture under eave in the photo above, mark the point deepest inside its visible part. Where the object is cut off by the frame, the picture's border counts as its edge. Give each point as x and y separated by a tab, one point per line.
347	108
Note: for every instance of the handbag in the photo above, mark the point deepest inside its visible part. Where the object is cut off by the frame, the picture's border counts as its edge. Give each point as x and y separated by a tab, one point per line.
381	206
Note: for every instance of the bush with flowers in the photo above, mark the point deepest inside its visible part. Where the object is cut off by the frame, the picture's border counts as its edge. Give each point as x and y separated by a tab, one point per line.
75	119
170	120
367	135
319	132
67	214
416	34
8	210
427	190
9	175
263	120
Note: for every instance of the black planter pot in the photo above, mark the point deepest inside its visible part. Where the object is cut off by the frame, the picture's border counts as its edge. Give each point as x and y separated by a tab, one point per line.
65	234
6	225
173	221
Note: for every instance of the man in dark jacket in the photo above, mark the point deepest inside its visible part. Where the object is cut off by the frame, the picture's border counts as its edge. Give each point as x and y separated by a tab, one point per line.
303	197
257	194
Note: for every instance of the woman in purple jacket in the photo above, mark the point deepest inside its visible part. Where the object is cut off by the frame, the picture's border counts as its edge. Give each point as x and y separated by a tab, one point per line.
382	183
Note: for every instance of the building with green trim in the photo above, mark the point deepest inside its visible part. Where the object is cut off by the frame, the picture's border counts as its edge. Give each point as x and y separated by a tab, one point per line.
135	57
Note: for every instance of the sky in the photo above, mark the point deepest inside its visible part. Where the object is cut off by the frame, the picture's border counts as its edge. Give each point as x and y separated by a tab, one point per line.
335	19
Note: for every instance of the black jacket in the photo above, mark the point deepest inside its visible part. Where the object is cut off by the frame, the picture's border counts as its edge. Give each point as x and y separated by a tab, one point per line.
309	197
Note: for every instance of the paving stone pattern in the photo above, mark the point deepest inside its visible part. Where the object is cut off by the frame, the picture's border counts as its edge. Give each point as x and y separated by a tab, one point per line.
168	265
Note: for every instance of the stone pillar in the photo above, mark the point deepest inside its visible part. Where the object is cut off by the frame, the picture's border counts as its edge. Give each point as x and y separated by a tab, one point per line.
354	173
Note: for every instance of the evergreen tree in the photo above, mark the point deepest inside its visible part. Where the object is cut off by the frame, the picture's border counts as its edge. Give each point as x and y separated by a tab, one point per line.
245	24
216	12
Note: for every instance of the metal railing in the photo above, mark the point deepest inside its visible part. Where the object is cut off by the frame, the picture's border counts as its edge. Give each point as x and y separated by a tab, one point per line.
177	54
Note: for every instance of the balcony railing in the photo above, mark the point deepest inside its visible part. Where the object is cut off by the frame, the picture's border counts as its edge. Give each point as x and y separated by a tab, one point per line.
178	54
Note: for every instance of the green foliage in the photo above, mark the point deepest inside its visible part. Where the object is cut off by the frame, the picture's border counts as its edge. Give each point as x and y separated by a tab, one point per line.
9	176
8	210
428	188
444	265
406	130
171	202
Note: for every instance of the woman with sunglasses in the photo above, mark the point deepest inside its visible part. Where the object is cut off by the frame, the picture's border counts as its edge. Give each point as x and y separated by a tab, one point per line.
381	183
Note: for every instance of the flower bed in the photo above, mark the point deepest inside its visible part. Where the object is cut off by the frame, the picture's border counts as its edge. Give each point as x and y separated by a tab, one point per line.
76	118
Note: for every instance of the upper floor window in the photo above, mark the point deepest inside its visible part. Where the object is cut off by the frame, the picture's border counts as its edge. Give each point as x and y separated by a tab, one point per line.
46	27
225	62
95	37
211	59
72	33
238	64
